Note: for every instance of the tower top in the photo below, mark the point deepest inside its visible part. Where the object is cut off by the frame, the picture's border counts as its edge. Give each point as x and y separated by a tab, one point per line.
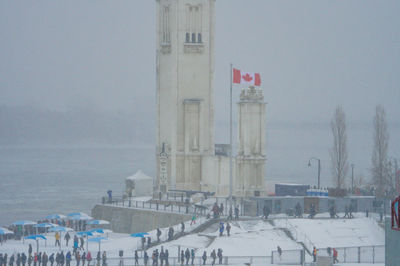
252	94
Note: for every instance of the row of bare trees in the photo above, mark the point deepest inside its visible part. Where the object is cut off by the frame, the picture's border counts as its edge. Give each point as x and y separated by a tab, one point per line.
339	156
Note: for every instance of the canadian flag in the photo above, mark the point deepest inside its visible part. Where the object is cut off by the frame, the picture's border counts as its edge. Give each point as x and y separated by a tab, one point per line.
240	77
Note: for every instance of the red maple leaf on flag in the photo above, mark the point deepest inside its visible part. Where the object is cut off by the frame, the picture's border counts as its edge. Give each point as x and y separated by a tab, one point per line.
247	77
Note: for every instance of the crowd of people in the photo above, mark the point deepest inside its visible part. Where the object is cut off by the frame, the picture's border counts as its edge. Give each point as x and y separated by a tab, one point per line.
59	258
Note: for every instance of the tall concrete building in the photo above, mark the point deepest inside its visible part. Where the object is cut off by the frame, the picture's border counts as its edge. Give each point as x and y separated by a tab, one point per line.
186	157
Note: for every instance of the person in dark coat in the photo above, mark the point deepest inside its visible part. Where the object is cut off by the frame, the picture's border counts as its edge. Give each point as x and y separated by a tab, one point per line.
1	259
204	257
18	261
182	227
30	249
51	259
62	258
182	257
221	209
67	237
166	257
236	212
145	258
136	258
23	259
279	251
148	241
104	257
11	260
187	256
45	259
228	229
83	258
219	255
192	255
213	255
5	259
158	234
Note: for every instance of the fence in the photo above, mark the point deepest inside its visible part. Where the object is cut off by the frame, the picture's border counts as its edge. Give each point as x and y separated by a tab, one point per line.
153	205
231	260
366	254
288	257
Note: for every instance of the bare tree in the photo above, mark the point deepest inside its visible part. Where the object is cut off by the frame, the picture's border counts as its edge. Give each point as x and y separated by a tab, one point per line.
338	152
379	153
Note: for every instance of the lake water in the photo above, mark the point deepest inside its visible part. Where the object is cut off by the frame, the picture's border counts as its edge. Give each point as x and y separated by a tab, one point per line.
37	181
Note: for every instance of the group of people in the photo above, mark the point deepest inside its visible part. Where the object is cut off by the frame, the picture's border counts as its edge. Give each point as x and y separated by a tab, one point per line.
186	257
218	211
214	255
332	252
43	259
222	228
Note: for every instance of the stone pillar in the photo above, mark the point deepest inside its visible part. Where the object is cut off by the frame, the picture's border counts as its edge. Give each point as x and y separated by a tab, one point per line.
251	157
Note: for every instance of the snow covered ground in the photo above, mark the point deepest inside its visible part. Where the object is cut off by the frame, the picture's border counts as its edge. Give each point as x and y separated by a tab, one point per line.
252	238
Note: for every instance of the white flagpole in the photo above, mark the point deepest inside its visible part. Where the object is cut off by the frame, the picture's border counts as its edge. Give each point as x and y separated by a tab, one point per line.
230	142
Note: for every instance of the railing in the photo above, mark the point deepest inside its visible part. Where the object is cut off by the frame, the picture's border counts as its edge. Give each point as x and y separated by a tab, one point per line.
363	254
231	260
156	205
288	257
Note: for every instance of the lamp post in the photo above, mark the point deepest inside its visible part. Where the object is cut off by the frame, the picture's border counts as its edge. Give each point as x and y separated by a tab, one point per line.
319	169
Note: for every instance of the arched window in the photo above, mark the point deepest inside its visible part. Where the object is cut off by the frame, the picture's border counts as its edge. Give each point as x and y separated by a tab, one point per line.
193	37
199	40
187	37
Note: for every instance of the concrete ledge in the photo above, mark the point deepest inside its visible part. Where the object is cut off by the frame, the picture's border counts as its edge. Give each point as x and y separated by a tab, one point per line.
132	220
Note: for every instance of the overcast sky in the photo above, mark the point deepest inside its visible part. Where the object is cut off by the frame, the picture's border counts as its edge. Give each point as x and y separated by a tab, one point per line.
312	56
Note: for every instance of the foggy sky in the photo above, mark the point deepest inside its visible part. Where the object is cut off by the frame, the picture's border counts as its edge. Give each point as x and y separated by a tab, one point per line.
312	56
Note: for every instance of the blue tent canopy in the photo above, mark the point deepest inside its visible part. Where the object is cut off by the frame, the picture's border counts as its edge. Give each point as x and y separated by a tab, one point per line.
24	222
139	234
45	225
35	237
55	217
60	229
4	231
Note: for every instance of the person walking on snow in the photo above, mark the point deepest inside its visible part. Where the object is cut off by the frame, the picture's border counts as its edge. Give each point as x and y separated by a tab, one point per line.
204	257
57	237
221	228
237	212
67	237
314	253
193	219
213	256
279	251
187	256
158	234
192	256
228	229
335	255
219	254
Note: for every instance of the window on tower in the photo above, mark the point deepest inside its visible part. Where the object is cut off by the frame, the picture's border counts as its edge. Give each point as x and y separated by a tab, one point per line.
187	37
199	38
193	37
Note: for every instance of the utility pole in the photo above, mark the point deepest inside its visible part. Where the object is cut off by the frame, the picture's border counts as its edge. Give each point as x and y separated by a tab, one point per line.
352	178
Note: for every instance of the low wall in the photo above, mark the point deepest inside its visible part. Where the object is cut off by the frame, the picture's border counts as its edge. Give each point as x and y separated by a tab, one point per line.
131	220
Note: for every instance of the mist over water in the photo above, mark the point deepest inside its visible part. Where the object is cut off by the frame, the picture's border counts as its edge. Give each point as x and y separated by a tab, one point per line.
37	181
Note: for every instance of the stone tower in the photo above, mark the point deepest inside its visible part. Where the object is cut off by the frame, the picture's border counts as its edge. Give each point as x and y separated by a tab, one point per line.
185	92
251	157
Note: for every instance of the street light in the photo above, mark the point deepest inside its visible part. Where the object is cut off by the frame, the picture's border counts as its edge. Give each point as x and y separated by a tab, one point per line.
319	169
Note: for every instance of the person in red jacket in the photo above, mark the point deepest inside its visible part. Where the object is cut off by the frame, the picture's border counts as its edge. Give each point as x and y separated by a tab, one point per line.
335	254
